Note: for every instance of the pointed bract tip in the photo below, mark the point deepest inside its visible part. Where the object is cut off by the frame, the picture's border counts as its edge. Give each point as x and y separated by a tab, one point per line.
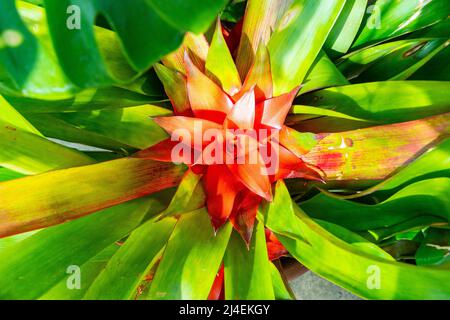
217	224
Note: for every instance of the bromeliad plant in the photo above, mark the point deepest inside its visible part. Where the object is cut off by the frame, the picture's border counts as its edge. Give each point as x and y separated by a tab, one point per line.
314	130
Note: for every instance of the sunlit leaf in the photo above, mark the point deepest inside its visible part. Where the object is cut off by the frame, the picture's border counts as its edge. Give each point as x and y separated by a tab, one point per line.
67	194
189	264
241	280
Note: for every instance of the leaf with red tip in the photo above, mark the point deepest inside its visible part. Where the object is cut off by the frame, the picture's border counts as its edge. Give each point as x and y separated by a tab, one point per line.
196	46
243	113
244	214
175	87
204	94
259	76
375	153
220	65
251	170
221	190
275	110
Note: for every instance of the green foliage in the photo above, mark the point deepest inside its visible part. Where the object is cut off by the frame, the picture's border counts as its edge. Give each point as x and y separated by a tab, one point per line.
72	82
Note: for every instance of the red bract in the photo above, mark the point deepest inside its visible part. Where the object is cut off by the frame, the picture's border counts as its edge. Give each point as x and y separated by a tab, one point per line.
237	121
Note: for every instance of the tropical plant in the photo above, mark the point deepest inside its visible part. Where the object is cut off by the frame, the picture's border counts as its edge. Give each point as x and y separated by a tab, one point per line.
354	98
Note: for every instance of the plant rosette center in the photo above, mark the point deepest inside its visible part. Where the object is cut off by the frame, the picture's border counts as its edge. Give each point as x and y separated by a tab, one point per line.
235	138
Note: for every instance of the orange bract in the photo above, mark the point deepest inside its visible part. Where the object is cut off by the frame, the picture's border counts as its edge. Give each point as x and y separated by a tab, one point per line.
249	121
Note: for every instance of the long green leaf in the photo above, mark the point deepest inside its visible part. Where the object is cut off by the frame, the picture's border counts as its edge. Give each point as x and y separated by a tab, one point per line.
28	153
423	198
396	60
346	28
86	100
306	24
280	289
247	270
38	73
89	271
39	262
71	193
435	248
131	127
9	114
353	267
391	19
323	74
190	263
132	21
384	102
435	69
201	13
122	274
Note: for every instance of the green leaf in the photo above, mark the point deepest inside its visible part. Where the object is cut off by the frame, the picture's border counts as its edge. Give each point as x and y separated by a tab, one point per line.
423	198
114	57
88	271
375	153
346	28
234	11
302	112
37	74
391	19
53	127
201	13
9	114
384	102
189	264
189	196
323	74
130	127
280	288
123	273
261	17
220	65
354	267
412	225
6	174
86	100
64	195
390	61
434	163
74	44
40	261
28	153
247	269
355	239
435	250
305	25
436	68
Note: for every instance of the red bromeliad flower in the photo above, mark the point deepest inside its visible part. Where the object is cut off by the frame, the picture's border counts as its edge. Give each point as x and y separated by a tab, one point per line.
244	145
